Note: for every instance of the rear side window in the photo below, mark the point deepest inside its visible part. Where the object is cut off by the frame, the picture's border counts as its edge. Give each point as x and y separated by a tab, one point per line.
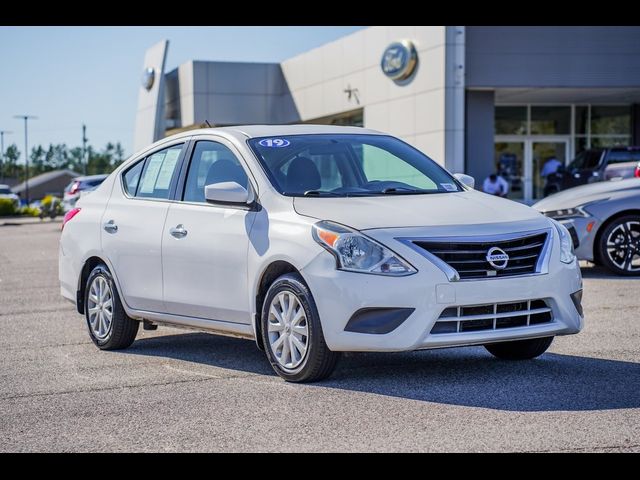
152	177
132	178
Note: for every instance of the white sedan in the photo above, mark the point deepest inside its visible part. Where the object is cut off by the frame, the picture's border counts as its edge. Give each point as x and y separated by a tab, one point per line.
313	240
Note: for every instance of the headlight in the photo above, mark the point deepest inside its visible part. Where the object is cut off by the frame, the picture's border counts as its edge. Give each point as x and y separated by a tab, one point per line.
566	213
355	252
566	244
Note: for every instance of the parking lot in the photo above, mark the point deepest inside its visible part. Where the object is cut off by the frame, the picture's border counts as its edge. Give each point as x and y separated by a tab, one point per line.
178	390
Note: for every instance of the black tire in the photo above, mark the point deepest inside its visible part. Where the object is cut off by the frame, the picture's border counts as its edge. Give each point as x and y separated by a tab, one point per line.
519	349
633	248
122	330
318	362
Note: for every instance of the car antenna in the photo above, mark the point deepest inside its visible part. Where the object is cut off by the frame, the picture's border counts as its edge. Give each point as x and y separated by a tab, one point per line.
207	123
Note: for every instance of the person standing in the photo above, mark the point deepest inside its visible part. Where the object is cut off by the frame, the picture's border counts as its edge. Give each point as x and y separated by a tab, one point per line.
551	165
495	185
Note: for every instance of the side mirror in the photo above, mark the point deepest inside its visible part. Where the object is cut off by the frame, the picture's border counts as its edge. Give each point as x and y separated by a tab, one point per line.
226	193
466	180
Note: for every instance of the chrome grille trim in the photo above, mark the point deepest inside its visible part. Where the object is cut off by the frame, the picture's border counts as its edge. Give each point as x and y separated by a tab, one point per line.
523	313
479	245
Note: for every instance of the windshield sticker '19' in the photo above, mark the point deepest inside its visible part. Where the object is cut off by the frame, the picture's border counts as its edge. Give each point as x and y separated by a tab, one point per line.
274	142
448	187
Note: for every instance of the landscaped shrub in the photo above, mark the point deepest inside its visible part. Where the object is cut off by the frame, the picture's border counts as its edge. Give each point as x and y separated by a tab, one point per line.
30	211
7	207
51	207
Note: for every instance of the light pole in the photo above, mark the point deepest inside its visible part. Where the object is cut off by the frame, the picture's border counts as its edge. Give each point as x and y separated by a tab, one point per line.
2	132
26	155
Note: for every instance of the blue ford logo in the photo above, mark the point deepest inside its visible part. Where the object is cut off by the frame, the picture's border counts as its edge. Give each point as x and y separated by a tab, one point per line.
399	60
497	258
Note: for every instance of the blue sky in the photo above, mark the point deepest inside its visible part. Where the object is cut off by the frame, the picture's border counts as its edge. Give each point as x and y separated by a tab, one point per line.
73	75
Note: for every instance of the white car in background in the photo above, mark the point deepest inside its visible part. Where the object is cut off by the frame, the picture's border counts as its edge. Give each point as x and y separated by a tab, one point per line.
5	192
313	240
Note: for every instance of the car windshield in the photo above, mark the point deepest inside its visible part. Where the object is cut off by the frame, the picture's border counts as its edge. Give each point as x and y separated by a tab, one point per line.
5	191
586	159
347	165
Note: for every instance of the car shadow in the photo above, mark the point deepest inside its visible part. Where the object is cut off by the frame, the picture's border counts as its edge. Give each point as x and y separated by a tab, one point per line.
601	273
458	376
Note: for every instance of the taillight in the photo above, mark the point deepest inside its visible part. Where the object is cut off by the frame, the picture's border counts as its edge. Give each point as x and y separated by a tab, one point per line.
69	215
74	189
637	174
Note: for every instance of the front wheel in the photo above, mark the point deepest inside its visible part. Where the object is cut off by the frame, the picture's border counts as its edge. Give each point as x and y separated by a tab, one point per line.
619	245
292	333
109	325
519	349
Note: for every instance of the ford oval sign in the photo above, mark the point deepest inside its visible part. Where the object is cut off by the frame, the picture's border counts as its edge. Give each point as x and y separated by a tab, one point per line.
148	76
399	60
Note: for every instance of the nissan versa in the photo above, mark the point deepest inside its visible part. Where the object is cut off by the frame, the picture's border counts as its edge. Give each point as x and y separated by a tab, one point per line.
314	240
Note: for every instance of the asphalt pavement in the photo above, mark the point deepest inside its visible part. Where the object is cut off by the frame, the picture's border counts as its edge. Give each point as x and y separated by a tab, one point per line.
179	390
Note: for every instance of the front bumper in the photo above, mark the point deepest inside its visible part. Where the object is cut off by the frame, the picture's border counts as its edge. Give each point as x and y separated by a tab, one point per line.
338	295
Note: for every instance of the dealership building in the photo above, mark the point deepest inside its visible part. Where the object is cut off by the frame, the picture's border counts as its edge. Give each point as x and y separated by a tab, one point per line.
475	99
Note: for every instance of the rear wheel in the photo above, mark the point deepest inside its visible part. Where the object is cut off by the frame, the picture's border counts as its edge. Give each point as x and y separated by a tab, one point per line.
109	326
619	245
520	349
292	333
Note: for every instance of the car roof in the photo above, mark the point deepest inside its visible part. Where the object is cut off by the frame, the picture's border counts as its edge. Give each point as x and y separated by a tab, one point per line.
243	132
625	149
251	131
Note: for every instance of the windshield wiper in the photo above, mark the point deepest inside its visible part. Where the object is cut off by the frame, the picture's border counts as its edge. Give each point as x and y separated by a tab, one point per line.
403	191
320	193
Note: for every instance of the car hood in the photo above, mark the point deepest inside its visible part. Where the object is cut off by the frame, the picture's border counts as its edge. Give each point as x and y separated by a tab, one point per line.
439	209
577	196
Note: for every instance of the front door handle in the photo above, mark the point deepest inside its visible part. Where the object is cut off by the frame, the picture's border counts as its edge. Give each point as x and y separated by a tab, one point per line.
110	227
178	231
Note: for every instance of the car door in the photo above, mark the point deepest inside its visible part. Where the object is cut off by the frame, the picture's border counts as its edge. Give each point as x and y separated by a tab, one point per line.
133	223
204	246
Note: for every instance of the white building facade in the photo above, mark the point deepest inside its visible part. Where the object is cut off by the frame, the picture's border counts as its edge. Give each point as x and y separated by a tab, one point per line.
475	99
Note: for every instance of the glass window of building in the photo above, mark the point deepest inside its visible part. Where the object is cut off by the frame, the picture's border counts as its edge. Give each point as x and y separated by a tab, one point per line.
610	120
582	119
511	120
550	120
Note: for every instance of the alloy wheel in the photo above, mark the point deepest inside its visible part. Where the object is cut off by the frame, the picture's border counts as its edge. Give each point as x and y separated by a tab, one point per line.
623	246
100	308
288	330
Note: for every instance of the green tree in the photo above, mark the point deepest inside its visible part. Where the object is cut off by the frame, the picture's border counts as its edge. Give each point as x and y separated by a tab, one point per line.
75	160
37	161
10	167
119	154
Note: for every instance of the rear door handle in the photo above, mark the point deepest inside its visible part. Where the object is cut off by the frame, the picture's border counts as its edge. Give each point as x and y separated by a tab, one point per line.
178	231
110	227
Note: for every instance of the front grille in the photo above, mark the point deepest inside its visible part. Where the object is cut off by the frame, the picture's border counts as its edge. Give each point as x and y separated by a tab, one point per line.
469	258
492	316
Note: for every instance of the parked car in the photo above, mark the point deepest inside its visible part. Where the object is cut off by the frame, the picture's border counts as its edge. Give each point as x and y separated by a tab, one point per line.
314	240
593	166
78	187
606	220
5	192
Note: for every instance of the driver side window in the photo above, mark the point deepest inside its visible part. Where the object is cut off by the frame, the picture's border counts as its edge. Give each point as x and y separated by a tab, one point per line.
211	162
